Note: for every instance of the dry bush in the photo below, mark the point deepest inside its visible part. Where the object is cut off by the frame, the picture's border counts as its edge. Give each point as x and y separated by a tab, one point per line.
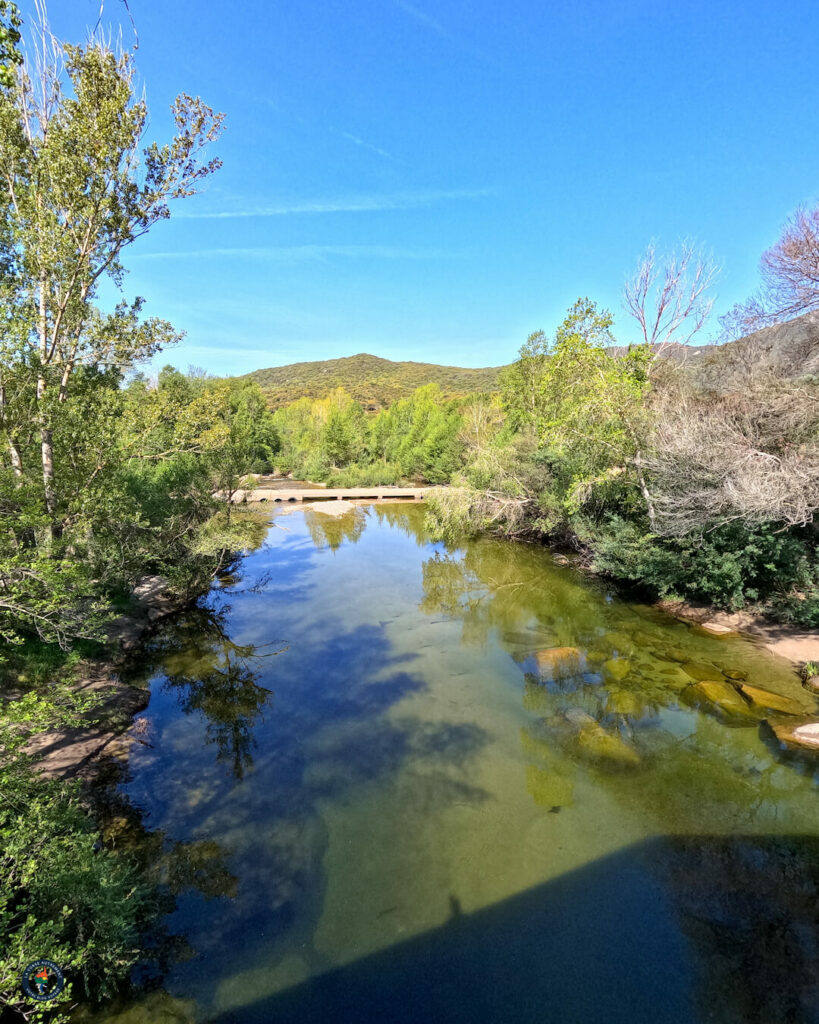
750	456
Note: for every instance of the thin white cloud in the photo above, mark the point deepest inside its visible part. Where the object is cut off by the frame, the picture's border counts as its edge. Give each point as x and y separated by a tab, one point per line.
432	23
358	141
344	204
305	252
424	18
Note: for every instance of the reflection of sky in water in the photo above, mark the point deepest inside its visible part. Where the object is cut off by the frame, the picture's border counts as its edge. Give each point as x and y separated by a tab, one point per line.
418	759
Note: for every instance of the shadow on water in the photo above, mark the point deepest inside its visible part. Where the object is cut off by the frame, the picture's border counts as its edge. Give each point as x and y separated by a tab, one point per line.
310	726
419	760
675	930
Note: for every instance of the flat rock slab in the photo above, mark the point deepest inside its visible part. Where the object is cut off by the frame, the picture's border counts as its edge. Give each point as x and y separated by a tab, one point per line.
717	628
150	588
65	753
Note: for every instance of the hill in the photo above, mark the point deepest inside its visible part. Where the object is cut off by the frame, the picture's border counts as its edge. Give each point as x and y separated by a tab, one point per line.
374	382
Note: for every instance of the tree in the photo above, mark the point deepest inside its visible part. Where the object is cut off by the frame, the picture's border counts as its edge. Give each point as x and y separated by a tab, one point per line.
521	383
667	296
79	189
595	420
10	55
790	279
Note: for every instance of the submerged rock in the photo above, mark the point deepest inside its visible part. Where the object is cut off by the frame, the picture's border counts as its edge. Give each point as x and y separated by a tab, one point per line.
733	673
595	743
619	641
699	671
624	702
801	735
718	695
672	654
558	662
771	701
617	668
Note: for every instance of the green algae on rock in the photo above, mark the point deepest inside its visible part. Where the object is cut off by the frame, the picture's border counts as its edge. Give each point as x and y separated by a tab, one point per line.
771	701
720	697
617	668
700	671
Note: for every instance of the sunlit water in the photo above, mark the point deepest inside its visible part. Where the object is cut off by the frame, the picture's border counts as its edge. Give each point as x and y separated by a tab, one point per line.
402	804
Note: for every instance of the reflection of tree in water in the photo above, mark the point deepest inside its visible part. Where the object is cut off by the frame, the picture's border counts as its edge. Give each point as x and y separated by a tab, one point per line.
747	905
216	676
171	869
507	587
332	531
408	517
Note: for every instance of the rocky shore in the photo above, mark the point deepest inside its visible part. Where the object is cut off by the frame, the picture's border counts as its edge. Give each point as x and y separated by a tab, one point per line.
73	753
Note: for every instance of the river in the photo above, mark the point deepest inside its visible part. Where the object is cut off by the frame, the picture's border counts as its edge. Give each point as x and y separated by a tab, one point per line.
397	782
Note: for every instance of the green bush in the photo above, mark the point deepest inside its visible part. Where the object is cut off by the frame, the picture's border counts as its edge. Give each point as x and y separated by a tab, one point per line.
730	567
375	475
63	896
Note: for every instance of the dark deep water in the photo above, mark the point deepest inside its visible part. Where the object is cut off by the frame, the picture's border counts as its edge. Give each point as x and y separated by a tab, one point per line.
415	784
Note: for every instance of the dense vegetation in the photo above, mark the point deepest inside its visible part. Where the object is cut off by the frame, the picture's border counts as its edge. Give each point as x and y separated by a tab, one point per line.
333	439
374	383
697	479
104	476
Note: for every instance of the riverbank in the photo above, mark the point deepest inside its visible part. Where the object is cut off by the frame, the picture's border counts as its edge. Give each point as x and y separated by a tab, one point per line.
68	753
797	645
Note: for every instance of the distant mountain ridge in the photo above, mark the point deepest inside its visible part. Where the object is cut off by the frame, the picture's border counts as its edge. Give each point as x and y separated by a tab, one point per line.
790	348
371	380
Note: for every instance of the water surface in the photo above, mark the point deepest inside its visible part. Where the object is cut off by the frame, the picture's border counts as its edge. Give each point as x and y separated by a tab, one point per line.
467	785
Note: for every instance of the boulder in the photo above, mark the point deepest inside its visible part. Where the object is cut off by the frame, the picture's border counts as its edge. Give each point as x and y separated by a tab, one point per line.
771	701
795	733
719	696
812	684
558	662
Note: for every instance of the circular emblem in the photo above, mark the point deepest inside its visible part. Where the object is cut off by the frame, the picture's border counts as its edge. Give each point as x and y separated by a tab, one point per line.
43	980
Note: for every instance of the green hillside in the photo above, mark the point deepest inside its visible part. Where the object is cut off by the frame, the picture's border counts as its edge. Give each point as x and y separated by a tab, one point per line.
374	382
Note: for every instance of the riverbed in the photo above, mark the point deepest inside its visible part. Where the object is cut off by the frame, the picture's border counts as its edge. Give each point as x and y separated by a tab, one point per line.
419	783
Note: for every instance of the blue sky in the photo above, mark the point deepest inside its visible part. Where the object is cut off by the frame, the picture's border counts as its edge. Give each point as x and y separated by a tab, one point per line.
434	179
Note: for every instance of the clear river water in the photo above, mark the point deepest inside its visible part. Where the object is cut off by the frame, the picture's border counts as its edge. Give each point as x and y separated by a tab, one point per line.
395	782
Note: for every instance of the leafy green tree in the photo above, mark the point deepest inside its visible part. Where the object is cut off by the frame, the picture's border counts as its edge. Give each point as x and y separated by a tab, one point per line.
594	420
10	55
78	193
521	383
